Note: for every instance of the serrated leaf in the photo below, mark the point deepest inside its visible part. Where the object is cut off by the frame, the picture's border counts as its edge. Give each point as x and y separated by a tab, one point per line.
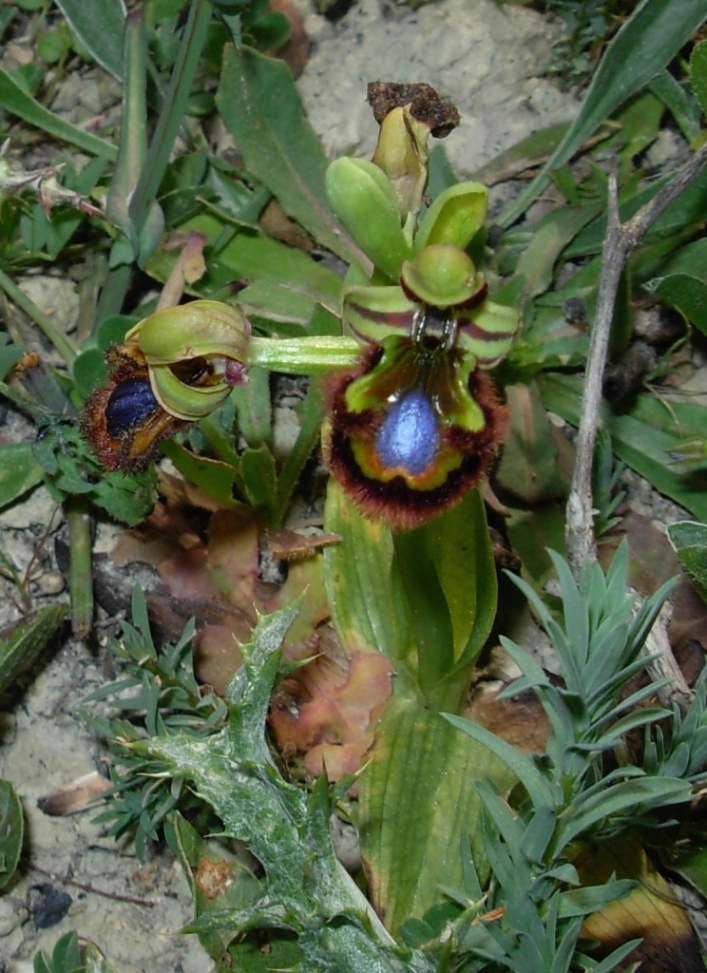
690	542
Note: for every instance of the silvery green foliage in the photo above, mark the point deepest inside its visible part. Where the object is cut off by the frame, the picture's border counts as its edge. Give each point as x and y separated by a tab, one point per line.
572	795
305	890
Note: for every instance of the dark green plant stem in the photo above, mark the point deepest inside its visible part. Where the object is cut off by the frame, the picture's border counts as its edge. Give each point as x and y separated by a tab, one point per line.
62	344
173	110
76	509
158	155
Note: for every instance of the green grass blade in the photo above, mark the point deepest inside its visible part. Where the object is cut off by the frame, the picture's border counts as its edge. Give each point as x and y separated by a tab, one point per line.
17	101
646	43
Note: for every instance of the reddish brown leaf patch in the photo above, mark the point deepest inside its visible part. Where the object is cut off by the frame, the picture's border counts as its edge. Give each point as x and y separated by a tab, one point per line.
329	714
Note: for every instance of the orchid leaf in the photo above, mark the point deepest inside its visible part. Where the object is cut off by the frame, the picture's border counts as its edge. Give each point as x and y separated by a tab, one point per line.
99	26
260	105
414	812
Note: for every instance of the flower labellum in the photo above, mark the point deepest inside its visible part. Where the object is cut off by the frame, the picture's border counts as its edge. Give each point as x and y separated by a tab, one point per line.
123	421
411	428
409	437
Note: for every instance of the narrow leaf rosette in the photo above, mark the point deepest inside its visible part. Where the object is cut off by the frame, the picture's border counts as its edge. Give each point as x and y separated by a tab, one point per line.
411	428
174	367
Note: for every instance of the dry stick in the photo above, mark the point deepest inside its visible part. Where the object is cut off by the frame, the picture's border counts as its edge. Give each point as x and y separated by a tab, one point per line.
621	240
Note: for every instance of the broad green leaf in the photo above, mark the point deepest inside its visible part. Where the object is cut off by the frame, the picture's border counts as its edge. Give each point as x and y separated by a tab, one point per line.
260	105
551	236
690	542
99	27
367	604
19	471
460	551
17	101
417	800
683	283
644	45
698	74
292	284
21	648
11	831
643	436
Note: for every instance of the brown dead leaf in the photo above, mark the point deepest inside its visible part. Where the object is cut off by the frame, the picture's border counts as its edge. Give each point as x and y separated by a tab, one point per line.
295	51
288	545
78	795
216	653
650	911
329	714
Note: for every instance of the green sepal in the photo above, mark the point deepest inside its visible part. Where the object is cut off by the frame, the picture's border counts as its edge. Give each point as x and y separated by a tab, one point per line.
455	216
363	198
200	329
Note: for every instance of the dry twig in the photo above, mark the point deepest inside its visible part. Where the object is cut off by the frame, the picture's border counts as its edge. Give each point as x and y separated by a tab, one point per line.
621	239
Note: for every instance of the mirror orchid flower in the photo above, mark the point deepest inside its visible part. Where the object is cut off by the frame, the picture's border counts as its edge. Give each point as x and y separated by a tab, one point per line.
174	367
417	421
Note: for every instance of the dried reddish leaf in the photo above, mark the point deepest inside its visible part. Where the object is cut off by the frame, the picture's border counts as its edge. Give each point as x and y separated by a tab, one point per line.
78	795
216	654
233	556
329	714
288	545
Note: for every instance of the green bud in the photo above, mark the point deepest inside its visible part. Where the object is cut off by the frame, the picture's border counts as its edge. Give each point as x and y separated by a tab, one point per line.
364	200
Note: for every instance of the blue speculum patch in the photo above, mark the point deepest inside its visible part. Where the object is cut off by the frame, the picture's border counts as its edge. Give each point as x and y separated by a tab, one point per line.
131	403
409	437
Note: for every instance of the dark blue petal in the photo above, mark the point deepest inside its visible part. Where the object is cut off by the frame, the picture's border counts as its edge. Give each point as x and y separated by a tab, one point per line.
131	404
409	437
